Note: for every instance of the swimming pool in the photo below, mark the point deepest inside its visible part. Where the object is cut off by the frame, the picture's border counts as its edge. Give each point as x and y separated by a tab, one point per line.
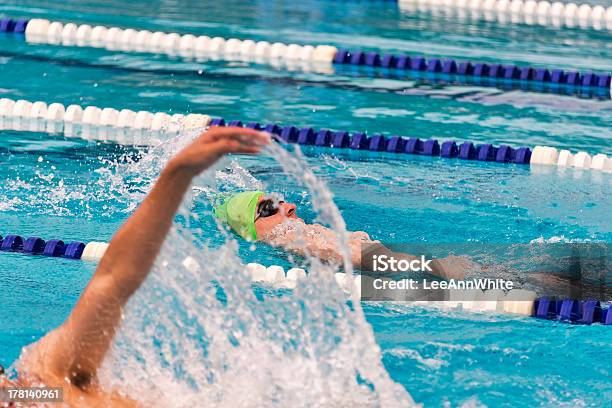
58	187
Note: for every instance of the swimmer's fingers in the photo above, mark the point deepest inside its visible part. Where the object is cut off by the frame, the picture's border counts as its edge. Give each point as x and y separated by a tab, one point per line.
244	136
237	146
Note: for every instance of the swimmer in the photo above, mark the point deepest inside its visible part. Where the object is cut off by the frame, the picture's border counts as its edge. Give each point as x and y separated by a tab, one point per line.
255	216
70	356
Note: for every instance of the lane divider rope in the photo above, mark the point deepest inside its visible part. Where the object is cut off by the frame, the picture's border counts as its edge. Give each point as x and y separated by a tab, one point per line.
509	72
41	31
141	128
516	301
530	12
447	149
442	78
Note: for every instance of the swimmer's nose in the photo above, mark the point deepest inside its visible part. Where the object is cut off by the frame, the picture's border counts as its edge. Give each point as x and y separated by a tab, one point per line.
289	209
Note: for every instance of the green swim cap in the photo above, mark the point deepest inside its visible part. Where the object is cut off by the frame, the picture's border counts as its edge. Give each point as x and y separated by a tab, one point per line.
238	211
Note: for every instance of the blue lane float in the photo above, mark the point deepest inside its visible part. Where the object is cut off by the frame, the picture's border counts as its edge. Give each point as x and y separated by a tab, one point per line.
476	69
572	311
34	246
12	243
37	246
453	74
8	25
393	144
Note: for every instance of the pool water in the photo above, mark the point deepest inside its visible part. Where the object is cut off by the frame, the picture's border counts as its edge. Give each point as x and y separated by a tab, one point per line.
57	187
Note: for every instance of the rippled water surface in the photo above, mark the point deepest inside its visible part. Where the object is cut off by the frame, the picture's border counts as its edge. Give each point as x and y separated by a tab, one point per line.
57	187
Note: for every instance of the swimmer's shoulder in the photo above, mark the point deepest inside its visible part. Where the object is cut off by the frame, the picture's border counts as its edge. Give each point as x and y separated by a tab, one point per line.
34	372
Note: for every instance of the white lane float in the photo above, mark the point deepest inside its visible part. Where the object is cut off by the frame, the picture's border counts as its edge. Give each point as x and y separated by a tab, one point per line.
127	39
98	35
83	35
544	155
544	13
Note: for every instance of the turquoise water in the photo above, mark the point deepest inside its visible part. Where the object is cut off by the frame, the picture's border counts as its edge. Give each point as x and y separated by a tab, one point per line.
56	187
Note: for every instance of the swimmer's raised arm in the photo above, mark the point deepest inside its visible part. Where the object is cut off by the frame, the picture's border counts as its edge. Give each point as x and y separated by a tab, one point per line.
76	349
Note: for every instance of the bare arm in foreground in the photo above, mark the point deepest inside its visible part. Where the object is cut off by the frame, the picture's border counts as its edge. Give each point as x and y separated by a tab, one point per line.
72	354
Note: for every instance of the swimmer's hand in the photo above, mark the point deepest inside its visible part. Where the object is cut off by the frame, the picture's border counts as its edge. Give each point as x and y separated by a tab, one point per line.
216	142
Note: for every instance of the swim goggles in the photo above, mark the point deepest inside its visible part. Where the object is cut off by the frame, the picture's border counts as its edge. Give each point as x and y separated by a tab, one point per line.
267	208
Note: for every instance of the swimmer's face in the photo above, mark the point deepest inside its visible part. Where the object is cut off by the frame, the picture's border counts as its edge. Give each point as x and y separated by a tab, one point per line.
272	212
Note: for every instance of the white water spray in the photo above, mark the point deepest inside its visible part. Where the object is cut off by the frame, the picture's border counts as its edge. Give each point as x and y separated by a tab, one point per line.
198	334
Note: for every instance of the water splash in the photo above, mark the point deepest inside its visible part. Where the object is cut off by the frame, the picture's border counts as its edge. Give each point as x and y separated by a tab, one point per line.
211	339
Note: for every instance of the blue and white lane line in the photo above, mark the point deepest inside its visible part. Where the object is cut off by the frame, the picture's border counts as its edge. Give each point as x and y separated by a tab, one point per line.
516	301
147	128
41	31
